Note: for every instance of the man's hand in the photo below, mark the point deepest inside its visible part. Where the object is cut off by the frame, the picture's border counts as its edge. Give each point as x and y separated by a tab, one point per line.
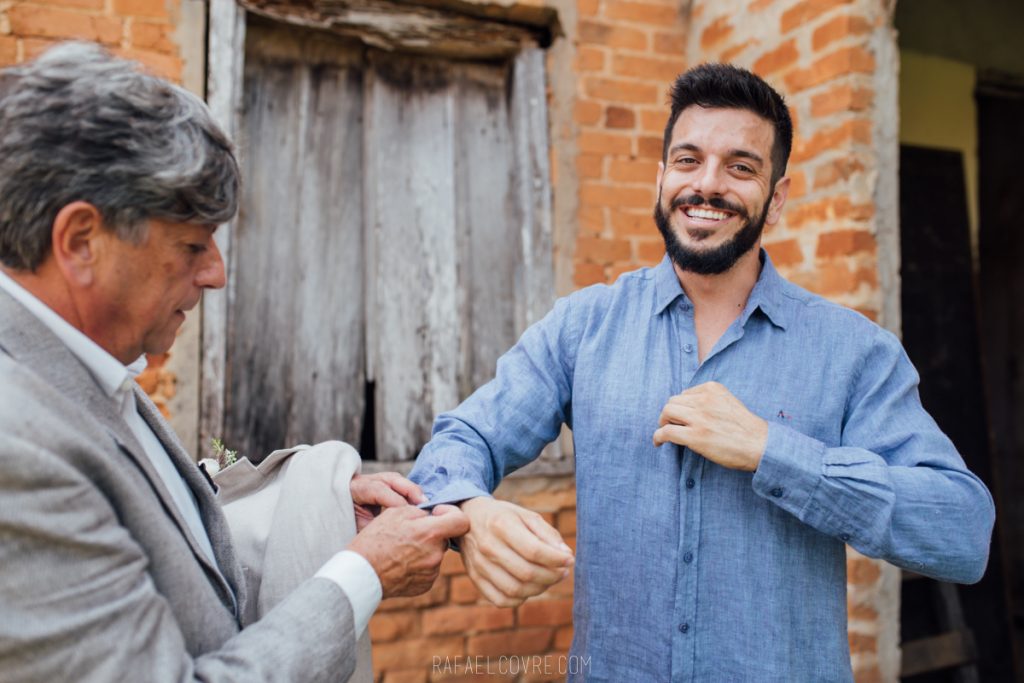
511	553
404	545
371	492
711	421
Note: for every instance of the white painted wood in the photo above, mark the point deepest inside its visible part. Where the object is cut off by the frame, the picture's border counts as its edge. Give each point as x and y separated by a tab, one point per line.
223	94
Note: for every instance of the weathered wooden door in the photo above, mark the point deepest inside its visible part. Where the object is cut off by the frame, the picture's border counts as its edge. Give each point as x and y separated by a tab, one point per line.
393	240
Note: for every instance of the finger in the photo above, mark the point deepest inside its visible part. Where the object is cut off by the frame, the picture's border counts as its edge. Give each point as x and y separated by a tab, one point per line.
374	492
510	587
489	591
512	562
549	535
672	433
515	533
675	413
408	489
448	523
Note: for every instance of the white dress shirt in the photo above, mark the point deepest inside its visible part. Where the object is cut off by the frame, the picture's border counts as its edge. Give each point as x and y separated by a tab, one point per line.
348	569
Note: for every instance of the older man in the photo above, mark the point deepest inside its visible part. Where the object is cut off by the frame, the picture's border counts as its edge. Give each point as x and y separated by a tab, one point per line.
732	433
116	561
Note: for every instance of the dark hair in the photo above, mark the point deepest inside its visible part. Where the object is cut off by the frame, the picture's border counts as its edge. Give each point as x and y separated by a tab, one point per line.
77	123
730	87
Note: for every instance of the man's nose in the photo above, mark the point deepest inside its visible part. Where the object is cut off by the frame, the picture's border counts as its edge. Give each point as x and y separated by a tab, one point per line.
212	274
710	179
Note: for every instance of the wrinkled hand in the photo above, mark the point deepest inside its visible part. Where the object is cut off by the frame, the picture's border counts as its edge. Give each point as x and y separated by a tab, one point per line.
711	421
511	553
404	545
372	492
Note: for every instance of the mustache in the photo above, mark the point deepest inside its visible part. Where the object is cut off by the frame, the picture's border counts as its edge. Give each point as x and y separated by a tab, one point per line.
713	202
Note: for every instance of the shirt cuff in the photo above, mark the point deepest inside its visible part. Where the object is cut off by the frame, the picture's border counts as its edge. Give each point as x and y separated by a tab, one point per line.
791	468
354	575
453	493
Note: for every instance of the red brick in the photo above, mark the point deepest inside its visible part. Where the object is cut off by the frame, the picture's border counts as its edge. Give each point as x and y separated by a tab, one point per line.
870	674
451	563
838	28
842	62
588	8
669	43
437	594
649	252
386	626
8	50
835	278
590	59
142	8
860	571
649	147
730	53
163	65
545	612
641	12
633	223
861	643
567	521
619	117
49	22
843	135
524	641
596	32
415	652
860	612
405	676
662	70
587	112
616	196
807	11
599	250
463	590
653	120
797	185
827	210
837	170
77	4
156	37
586	274
591	219
840	98
715	33
785	254
604	143
781	57
466	619
632	171
589	166
563	638
620	90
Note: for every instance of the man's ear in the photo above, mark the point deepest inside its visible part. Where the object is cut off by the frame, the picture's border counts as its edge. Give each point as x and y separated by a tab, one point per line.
77	242
661	172
779	194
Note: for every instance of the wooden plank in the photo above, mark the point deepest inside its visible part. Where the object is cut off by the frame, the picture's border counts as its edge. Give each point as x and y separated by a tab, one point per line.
944	651
413	208
224	96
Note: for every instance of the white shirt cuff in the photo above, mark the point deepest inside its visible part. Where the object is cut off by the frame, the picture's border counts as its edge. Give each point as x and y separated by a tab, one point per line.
354	575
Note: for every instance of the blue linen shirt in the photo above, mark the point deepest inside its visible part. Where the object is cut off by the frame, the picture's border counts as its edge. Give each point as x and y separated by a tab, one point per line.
686	570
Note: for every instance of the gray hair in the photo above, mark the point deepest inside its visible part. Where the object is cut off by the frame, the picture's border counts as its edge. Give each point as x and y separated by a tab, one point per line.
79	124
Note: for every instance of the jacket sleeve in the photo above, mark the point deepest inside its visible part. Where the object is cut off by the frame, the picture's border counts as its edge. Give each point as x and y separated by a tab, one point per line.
895	487
77	601
506	423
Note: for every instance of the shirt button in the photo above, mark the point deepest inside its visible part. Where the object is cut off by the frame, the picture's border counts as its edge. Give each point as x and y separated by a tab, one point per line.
688	558
845	537
776	493
690	483
688	348
683	628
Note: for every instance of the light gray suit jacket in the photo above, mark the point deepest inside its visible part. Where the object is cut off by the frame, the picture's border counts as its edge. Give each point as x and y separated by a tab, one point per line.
100	578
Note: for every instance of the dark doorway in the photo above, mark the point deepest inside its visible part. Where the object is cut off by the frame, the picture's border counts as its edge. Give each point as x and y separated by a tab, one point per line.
948	633
1001	252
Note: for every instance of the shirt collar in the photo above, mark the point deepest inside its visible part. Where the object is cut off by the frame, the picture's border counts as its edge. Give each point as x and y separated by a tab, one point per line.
109	373
766	296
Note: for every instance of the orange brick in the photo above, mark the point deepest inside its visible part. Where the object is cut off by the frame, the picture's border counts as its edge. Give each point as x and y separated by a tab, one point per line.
604	143
567	521
648	68
156	37
587	113
649	147
142	8
77	4
463	591
386	626
633	224
781	57
613	36
632	171
869	313
838	28
842	62
862	613
649	252
163	65
588	8
590	59
599	250
837	170
437	594
8	50
586	274
406	676
860	571
716	32
563	638
846	133
49	22
591	219
730	53
466	619
545	612
759	5
797	185
785	254
524	641
861	643
653	120
807	11
871	674
415	652
451	563
843	97
616	196
642	12
588	166
619	117
620	90
835	278
670	43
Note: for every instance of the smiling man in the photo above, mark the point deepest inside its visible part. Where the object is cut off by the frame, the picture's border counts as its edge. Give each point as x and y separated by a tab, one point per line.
116	559
732	434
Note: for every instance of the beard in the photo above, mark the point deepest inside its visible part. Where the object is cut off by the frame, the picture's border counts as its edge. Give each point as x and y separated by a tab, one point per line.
715	260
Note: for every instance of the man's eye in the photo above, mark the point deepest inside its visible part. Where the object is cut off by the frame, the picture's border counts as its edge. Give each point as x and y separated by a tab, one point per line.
743	168
686	161
196	248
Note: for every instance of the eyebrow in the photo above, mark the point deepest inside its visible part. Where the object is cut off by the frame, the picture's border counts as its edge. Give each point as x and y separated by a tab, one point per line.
741	153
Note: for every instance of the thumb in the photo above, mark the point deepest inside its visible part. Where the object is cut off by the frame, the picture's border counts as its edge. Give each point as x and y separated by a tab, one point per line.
448	521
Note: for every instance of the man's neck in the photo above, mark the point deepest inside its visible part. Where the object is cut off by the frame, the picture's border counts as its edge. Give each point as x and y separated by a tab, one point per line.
724	292
49	290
